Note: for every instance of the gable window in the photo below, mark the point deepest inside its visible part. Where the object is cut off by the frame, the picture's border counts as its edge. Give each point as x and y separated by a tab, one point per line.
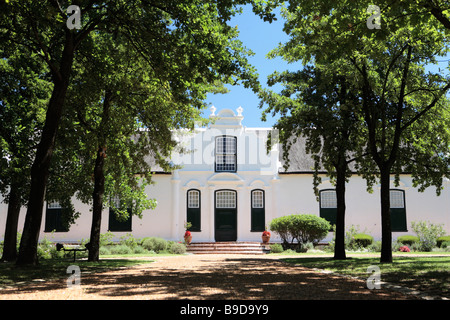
328	205
54	219
226	154
258	218
193	209
117	223
398	210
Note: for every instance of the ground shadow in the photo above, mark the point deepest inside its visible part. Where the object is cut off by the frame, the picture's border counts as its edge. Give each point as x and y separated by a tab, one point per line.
233	278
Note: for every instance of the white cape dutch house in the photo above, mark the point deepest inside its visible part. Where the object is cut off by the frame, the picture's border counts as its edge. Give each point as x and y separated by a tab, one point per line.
230	188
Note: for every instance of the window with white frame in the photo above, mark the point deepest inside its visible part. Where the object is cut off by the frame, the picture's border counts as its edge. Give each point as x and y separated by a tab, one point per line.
398	210
193	212
117	223
257	199
54	205
397	199
193	199
55	219
225	199
328	205
328	199
226	154
257	214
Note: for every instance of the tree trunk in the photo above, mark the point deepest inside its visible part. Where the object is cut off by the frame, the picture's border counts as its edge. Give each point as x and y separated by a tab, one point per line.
99	182
386	233
41	164
339	245
99	190
12	221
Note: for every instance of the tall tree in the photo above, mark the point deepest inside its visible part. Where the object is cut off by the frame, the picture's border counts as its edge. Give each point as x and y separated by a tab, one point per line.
124	116
320	107
390	81
23	96
186	43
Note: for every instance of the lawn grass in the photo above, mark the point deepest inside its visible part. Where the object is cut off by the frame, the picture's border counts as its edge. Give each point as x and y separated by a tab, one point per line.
425	272
50	269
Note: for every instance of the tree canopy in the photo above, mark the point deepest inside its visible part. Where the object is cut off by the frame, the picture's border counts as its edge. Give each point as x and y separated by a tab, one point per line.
385	69
187	47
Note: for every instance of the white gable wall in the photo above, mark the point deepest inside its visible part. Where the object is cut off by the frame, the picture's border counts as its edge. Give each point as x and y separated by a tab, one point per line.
284	193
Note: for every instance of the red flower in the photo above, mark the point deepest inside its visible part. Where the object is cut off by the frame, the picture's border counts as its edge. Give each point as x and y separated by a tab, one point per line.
266	233
187	234
404	249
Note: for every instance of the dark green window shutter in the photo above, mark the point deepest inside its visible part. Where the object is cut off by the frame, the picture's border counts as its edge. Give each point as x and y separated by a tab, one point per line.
193	214
116	224
258	214
54	220
398	210
328	205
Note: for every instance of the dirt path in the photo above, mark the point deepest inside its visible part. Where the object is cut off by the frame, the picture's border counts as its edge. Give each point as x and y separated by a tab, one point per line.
206	277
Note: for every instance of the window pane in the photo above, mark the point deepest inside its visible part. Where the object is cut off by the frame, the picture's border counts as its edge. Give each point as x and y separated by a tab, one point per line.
257	199
54	205
225	153
193	199
225	199
328	199
397	199
116	202
225	162
226	145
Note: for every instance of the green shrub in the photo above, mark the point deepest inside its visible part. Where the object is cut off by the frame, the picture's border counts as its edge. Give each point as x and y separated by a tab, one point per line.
154	244
46	249
139	250
309	228
121	249
103	251
276	248
282	226
362	240
445	245
375	246
106	239
408	240
440	241
129	240
177	248
428	234
301	227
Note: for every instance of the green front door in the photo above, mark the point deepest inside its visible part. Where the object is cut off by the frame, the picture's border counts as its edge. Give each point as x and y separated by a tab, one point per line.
225	215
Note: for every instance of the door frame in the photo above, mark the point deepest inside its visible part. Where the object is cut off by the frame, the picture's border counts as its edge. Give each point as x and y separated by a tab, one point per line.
217	235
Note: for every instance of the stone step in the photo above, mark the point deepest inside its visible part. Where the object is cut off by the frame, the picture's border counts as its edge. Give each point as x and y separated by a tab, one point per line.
228	248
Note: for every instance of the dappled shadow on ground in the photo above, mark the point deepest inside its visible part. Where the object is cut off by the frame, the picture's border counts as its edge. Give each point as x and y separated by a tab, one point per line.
232	278
409	272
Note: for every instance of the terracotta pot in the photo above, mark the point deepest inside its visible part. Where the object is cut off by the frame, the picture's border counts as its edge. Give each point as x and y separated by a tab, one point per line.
265	239
188	239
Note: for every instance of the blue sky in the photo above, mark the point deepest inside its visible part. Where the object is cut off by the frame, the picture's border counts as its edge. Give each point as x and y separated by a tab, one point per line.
260	37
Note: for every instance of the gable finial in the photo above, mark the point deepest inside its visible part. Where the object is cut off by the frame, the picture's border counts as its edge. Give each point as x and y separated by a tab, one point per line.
239	111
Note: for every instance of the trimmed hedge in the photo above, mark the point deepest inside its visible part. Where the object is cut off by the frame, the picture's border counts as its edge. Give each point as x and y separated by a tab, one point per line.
301	227
408	240
441	240
363	240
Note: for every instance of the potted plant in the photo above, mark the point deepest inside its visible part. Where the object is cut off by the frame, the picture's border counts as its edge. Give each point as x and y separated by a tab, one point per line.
266	236
187	234
187	237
